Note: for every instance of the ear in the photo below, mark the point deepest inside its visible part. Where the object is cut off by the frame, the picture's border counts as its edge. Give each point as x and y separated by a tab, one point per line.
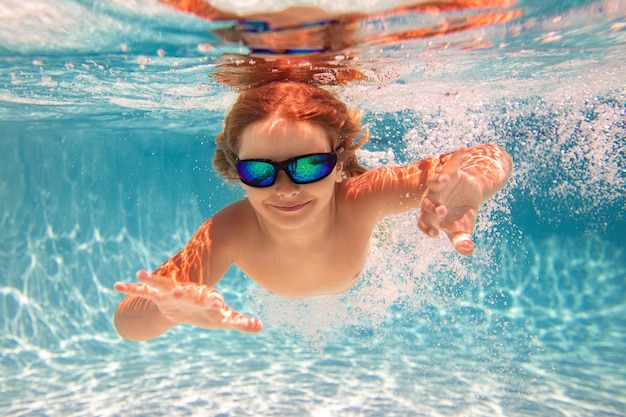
339	172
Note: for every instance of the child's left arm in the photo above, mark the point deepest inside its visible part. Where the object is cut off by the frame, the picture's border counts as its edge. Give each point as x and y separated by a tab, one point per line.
449	190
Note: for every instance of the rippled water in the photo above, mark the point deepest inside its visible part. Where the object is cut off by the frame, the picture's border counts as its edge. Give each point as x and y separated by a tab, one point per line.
107	117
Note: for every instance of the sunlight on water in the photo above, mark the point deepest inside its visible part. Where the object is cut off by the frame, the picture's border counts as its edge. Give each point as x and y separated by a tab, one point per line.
472	339
108	115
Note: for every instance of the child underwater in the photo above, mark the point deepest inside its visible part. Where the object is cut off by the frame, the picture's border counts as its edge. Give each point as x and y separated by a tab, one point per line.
310	210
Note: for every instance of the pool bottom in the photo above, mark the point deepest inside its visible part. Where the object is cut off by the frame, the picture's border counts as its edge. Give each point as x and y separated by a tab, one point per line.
527	326
526	355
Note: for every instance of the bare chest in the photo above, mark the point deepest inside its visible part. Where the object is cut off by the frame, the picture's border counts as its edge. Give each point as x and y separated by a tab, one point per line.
327	268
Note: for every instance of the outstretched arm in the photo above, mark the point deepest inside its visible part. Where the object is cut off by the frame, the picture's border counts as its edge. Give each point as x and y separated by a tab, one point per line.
159	303
449	190
181	290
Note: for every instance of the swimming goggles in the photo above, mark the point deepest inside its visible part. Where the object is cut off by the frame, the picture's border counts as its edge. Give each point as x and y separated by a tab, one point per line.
303	169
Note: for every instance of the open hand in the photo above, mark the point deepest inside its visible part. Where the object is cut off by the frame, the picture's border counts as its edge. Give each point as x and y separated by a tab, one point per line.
189	303
451	204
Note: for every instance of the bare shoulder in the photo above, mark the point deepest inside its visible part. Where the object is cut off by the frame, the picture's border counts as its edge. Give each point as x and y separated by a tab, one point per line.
358	197
236	218
387	190
226	229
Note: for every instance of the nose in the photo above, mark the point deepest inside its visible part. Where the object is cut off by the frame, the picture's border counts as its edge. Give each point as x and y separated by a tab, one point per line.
284	186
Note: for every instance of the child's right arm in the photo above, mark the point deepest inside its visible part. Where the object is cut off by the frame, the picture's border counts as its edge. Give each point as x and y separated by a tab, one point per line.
159	303
181	290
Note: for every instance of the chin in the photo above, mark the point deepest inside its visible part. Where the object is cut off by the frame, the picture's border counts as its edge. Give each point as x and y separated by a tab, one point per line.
289	222
290	219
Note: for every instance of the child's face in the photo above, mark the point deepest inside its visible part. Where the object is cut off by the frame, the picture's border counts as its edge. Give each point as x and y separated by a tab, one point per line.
286	204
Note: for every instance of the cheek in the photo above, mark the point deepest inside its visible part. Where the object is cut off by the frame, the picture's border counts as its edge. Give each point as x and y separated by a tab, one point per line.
325	189
255	195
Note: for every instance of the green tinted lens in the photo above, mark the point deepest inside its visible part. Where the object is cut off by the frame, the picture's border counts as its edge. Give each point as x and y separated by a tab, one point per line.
256	173
301	169
311	168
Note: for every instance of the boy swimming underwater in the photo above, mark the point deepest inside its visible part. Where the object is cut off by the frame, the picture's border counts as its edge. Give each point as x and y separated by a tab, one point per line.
305	225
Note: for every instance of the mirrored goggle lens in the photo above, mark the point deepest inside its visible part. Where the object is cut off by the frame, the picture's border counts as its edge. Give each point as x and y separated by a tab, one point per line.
311	168
301	170
256	173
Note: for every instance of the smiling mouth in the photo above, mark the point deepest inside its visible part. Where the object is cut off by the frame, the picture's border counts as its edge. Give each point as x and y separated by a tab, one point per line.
291	208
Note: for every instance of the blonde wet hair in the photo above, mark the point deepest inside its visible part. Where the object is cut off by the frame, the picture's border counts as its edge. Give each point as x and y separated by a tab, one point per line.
292	101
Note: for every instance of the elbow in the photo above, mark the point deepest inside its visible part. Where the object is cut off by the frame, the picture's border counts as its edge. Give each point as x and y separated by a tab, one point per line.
122	330
129	329
128	334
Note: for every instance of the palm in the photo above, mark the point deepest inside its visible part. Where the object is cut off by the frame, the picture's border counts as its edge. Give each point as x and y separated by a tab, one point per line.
190	303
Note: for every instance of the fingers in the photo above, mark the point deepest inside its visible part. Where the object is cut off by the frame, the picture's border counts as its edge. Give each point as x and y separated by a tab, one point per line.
430	217
142	274
127	288
212	300
231	319
190	303
150	286
428	206
462	243
162	283
139	290
427	226
438	182
201	295
243	323
457	227
448	204
121	287
441	185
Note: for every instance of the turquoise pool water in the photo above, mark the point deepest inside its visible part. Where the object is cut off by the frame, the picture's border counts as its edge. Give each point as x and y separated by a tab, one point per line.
107	118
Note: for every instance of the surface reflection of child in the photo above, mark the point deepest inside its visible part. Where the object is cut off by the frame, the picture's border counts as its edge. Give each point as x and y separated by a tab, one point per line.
305	225
304	29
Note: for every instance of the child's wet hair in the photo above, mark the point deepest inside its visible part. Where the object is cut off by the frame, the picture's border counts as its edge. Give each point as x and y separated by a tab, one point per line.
292	101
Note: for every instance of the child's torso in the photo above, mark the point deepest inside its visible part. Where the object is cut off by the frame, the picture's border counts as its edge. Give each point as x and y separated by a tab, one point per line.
328	266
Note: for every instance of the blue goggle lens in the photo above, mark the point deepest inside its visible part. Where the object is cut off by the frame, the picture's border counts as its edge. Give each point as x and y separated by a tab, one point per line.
303	169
